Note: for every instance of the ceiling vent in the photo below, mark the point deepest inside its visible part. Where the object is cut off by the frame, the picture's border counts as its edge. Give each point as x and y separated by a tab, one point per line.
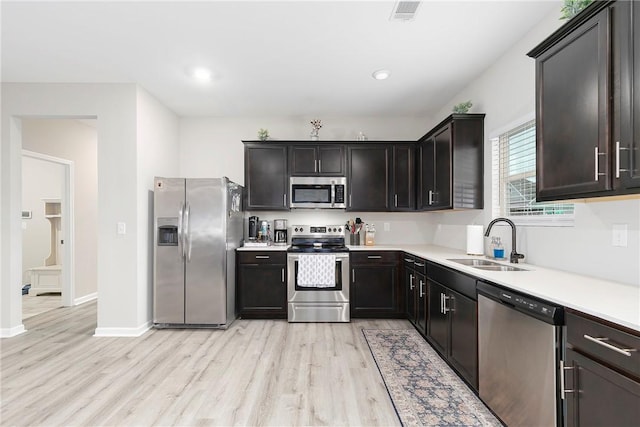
404	10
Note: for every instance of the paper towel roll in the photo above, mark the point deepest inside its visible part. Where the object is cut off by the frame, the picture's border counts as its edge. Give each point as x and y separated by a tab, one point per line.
475	240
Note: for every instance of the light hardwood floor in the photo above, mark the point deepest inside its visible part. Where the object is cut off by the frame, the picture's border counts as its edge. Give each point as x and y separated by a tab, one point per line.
258	372
34	305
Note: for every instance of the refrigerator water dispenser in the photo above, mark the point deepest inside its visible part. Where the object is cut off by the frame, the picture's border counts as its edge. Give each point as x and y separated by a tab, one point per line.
167	231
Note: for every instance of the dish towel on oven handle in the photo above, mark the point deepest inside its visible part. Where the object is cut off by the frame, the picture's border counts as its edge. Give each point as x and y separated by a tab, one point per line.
317	270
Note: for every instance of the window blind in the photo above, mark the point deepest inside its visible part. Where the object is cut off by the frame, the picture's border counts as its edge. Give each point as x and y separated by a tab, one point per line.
514	177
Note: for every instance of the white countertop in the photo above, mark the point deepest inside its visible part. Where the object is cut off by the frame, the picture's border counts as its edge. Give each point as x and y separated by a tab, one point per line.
616	302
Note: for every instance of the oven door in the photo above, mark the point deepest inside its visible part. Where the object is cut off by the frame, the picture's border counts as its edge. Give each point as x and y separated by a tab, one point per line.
327	304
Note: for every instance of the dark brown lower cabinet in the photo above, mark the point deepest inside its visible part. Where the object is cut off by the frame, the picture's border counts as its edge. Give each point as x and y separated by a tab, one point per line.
261	287
599	396
601	373
376	288
452	321
415	284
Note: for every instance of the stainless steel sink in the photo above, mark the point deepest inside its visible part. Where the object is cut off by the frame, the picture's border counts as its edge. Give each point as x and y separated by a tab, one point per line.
499	268
474	262
485	264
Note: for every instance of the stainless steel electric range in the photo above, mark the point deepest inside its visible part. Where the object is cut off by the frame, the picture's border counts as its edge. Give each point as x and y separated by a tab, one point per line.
318	274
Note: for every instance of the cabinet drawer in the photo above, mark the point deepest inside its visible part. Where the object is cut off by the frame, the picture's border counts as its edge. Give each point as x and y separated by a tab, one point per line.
261	257
408	261
374	257
420	265
466	285
617	348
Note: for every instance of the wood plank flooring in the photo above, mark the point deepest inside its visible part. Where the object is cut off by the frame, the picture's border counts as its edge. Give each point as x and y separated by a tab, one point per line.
34	305
258	372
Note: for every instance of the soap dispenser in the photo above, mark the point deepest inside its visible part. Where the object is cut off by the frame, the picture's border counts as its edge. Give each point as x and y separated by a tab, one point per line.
497	248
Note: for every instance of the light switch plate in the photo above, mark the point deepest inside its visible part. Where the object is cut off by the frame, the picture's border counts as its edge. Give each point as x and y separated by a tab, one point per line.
619	235
122	228
386	226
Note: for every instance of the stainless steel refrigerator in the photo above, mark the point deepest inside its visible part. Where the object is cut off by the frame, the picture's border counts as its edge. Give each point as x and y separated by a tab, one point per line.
198	224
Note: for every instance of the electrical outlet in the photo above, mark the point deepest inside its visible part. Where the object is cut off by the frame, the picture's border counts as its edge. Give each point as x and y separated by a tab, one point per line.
386	226
619	235
122	228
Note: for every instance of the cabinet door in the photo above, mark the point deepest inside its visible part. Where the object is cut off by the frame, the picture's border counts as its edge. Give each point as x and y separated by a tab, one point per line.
421	296
463	352
331	160
442	166
437	320
403	196
572	85
599	396
376	289
262	291
626	67
266	180
303	160
368	171
427	174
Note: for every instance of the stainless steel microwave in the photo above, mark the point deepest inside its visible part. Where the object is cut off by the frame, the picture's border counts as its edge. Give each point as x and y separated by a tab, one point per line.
318	192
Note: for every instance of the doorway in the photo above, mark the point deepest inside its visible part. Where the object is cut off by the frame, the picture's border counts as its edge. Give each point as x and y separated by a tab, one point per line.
46	201
71	145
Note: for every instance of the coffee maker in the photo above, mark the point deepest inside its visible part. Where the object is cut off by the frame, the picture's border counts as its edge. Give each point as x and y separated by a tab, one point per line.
254	226
279	231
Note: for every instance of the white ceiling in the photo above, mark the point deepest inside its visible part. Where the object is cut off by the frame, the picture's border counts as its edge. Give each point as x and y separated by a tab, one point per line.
306	58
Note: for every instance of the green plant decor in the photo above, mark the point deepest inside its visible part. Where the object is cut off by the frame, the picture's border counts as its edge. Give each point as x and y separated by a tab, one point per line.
263	134
572	7
462	108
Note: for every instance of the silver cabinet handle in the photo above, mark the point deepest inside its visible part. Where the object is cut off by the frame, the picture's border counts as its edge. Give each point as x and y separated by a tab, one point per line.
441	303
421	288
262	256
350	200
445	309
395	200
563	389
411	286
282	274
374	256
431	196
409	260
315	166
618	149
597	170
319	165
602	342
419	264
353	275
284	200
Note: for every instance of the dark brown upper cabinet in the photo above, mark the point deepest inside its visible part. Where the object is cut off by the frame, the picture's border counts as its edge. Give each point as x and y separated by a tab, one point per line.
450	164
266	177
586	109
403	188
368	177
310	160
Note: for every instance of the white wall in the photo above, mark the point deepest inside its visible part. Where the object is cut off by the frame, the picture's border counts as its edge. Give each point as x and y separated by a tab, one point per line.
505	92
40	180
157	136
76	141
121	305
212	147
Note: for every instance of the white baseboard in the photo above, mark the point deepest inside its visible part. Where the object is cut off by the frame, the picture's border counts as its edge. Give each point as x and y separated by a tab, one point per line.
122	332
12	332
86	298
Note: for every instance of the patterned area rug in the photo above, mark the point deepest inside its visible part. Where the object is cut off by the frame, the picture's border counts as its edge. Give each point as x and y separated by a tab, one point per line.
423	388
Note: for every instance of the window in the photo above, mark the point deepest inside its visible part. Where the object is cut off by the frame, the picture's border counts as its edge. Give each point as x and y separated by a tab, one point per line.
514	180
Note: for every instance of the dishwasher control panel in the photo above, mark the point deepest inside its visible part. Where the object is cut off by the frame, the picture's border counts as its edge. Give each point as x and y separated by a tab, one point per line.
542	310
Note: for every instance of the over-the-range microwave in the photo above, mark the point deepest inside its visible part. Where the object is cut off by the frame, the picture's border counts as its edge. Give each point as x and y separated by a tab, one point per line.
318	192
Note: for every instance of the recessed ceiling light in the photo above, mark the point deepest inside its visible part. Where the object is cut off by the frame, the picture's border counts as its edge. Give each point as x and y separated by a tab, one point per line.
201	74
381	74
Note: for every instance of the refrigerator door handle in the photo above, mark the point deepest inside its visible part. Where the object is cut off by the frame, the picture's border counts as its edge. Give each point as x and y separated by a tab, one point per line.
180	231
187	218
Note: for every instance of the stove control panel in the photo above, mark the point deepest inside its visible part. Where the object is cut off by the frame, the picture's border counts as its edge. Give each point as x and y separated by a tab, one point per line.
317	230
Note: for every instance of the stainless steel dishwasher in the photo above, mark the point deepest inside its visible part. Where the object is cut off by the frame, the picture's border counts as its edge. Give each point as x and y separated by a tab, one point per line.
519	349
